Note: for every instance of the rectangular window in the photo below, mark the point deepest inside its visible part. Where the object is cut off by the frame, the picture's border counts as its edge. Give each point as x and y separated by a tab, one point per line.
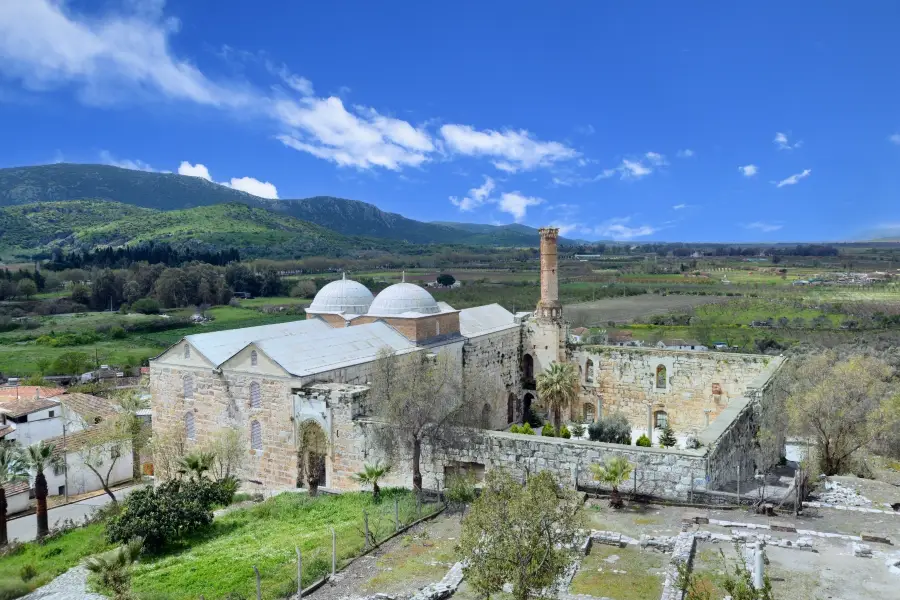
62	490
51	414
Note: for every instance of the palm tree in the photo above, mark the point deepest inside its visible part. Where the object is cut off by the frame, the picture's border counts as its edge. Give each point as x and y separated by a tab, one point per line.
12	469
37	458
614	472
196	464
370	476
557	387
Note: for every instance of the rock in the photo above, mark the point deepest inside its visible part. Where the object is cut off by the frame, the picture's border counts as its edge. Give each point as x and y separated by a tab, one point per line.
878	539
862	550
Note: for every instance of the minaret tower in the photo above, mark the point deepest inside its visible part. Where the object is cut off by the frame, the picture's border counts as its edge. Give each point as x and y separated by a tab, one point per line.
549	307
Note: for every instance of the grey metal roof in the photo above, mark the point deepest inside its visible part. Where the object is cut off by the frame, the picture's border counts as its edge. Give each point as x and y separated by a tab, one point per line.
317	351
485	319
342	296
219	346
402	298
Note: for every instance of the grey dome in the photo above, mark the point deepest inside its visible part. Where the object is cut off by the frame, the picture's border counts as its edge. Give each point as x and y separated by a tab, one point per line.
342	296
402	298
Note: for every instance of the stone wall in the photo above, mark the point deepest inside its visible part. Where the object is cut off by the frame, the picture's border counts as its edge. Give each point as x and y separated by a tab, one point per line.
499	353
625	380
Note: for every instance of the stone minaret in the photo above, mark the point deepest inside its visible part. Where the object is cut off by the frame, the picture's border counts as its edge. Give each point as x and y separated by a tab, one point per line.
548	307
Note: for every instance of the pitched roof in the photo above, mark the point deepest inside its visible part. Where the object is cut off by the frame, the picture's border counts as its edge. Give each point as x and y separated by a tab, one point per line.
73	442
29	391
580	331
25	405
16	487
680	342
6	429
325	349
485	319
88	406
219	346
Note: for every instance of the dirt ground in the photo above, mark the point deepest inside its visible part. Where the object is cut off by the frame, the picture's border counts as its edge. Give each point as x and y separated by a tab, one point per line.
626	309
418	557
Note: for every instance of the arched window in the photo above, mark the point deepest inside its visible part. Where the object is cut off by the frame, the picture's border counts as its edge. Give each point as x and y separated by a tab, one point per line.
589	371
189	431
255	435
661	377
660	419
254	358
528	367
510	408
188	386
588	412
255	396
187	351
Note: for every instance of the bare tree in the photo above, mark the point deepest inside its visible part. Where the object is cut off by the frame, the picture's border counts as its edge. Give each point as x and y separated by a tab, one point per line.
101	448
168	447
229	452
421	399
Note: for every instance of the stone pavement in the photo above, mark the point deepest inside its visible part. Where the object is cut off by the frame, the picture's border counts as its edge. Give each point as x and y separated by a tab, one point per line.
71	585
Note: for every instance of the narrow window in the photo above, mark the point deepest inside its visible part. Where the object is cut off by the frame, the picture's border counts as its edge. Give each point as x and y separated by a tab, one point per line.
661	377
589	371
51	414
255	435
588	412
187	351
189	431
188	386
510	408
660	419
254	358
255	398
437	325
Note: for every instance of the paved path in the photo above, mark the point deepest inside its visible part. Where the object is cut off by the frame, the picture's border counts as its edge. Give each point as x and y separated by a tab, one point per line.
71	585
24	529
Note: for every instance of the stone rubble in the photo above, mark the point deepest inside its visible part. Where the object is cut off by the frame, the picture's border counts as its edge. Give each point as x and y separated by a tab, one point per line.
683	553
841	495
445	588
862	550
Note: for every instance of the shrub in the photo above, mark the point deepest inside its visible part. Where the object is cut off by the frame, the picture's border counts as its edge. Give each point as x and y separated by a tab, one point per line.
147	306
612	429
13	588
164	514
667	437
515	429
526	429
577	430
460	489
116	333
643	441
548	431
28	572
564	432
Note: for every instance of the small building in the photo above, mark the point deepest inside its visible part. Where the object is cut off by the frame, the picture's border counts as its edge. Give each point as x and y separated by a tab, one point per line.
82	411
74	475
680	344
577	335
800	282
35	419
720	345
17	497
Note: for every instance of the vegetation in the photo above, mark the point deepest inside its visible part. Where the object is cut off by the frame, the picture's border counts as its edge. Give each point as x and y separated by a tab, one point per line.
548	430
667	436
114	569
519	534
370	476
614	472
557	387
12	470
612	429
39	457
734	579
643	441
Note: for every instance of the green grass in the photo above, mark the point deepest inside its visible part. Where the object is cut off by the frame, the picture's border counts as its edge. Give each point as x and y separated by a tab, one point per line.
641	579
418	558
220	561
276	301
54	557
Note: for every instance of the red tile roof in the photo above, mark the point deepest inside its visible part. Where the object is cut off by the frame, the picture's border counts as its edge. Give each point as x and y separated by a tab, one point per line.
28	391
25	405
16	487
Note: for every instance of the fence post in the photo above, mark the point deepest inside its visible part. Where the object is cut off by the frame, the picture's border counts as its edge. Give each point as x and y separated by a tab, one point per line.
299	573
396	514
333	552
366	527
258	584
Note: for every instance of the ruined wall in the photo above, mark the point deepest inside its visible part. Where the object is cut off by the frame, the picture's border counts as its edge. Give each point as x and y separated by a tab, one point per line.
499	354
625	380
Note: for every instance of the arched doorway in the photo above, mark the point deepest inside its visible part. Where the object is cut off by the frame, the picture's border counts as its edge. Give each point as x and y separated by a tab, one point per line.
510	408
311	454
526	407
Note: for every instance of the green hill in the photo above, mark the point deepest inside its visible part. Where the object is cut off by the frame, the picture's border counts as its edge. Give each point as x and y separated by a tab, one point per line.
168	191
39	224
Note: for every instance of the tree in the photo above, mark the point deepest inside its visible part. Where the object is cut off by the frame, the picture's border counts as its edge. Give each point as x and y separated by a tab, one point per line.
38	457
305	288
130	402
12	470
446	279
557	388
196	464
71	363
168	447
101	450
614	472
842	404
229	452
421	398
519	534
667	436
114	568
370	476
27	288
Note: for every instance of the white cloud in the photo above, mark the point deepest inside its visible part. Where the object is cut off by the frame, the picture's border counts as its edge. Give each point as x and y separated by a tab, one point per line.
633	169
135	165
510	151
619	229
895	139
793	179
656	159
686	153
299	84
763	226
476	196
324	128
782	143
517	204
605	174
679	206
564	228
263	189
749	170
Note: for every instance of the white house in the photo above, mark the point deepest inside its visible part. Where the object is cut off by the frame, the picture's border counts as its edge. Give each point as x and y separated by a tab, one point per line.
81	446
679	344
17	497
34	419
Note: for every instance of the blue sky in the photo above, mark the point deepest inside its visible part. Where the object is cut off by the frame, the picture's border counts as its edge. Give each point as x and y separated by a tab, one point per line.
706	121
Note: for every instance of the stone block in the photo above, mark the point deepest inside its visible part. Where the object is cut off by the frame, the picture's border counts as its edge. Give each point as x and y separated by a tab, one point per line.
695	517
878	539
777	526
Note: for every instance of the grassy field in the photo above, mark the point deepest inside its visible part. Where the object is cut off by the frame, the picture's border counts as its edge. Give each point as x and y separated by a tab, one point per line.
50	559
275	301
221	561
620	573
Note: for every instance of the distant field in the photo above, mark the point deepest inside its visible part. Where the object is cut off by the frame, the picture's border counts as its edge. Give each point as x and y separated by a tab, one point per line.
275	301
626	309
